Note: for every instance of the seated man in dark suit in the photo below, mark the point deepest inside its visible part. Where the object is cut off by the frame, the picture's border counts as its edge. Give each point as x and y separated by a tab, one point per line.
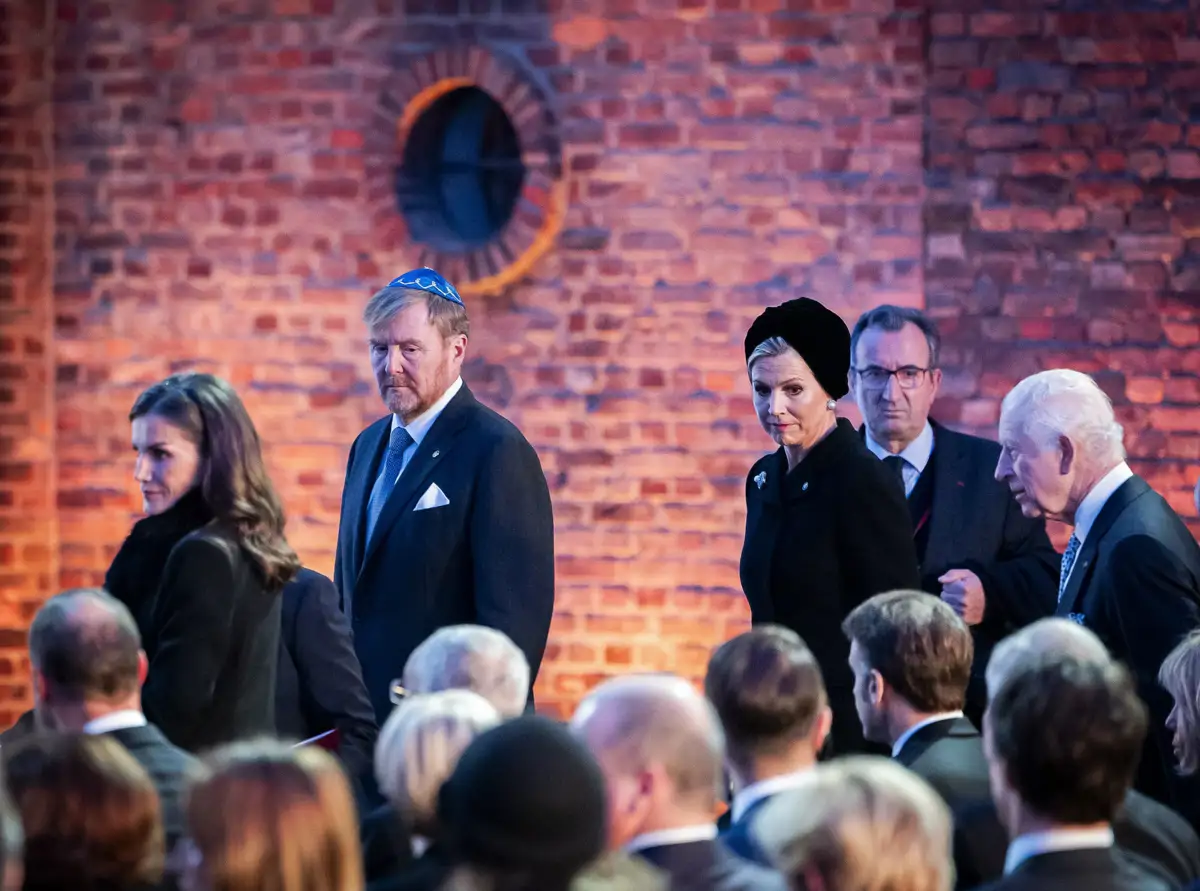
768	692
659	744
1147	832
911	657
88	669
1063	737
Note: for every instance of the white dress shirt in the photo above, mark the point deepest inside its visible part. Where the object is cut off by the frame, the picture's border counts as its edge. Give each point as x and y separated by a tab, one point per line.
756	792
916	455
1053	840
908	734
121	720
419	426
1094	501
681	836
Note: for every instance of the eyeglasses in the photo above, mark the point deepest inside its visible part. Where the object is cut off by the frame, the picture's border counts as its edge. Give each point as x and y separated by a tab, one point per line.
396	692
425	279
875	378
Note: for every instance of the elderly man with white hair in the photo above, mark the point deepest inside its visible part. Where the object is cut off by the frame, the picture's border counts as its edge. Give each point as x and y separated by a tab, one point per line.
469	657
1131	570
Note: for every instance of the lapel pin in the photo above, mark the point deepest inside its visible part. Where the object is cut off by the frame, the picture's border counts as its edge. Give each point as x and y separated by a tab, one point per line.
804	488
437	452
761	479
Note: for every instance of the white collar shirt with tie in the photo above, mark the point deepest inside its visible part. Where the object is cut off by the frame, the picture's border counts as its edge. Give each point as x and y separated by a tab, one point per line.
915	455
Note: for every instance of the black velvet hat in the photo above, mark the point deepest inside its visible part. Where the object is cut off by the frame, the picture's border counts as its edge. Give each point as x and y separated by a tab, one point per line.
818	334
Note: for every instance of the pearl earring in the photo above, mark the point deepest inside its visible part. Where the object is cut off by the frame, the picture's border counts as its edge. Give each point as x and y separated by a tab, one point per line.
831	404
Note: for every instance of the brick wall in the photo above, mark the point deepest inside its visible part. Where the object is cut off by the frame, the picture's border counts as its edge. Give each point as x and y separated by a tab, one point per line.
28	534
1063	219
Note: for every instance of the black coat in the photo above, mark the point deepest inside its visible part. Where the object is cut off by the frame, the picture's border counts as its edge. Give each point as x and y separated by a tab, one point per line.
320	685
1136	583
386	844
820	540
209	626
949	756
708	866
169	768
1080	870
486	557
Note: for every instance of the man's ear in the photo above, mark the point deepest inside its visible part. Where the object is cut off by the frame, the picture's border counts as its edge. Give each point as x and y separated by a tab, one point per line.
1068	455
876	687
821	728
143	667
39	685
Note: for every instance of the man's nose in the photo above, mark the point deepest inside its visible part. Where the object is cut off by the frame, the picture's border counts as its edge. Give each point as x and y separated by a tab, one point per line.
393	361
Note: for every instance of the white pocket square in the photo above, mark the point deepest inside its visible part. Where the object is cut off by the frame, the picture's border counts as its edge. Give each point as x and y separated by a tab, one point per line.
433	497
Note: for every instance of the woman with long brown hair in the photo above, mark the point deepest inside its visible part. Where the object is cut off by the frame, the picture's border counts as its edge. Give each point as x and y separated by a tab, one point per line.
202	573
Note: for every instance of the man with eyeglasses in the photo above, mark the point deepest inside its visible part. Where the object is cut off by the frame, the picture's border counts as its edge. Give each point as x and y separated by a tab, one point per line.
993	565
446	515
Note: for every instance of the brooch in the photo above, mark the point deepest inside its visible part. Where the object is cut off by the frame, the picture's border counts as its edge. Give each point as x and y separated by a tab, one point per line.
761	479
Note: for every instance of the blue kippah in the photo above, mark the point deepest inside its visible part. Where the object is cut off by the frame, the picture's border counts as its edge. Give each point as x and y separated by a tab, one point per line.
425	279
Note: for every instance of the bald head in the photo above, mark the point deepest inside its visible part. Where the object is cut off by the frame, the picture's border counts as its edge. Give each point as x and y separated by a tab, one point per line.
1044	638
635	723
84	644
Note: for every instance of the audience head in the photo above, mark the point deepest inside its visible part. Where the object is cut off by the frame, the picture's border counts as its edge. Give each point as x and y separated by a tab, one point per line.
90	813
1052	637
770	697
265	815
1180	675
859	823
420	744
894	370
1063	737
1058	436
660	746
524	806
87	659
471	657
911	657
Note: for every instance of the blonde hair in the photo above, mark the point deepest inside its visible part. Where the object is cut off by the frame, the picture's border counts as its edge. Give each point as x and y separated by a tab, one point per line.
419	746
768	349
265	815
1180	675
858	824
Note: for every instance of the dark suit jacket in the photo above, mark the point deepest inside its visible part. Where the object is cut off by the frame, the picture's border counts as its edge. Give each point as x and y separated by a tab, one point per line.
213	642
426	873
1148	833
168	767
708	866
949	756
1136	583
737	836
386	844
320	683
485	558
1080	870
976	524
820	540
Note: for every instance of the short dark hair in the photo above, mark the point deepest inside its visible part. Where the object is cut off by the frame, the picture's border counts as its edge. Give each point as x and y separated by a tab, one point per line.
889	317
918	644
85	643
1070	734
767	690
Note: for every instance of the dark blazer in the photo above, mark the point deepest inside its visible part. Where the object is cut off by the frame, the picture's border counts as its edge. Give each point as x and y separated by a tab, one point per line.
736	835
1147	833
426	873
320	684
485	558
949	756
213	643
708	866
976	524
386	844
1136	583
820	540
1079	870
168	767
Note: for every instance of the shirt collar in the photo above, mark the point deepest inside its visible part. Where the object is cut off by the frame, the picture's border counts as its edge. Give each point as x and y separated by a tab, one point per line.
756	792
121	720
681	836
916	453
419	426
932	719
1094	501
1023	847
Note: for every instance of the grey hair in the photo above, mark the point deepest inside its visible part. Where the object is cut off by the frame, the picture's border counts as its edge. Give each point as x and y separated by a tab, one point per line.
449	318
471	657
769	349
1065	402
889	317
1047	638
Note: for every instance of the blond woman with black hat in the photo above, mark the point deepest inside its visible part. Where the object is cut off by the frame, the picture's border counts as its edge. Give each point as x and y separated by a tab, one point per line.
826	524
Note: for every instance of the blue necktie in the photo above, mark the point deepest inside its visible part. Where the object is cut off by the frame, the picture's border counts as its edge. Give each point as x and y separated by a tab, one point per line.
400	440
1068	561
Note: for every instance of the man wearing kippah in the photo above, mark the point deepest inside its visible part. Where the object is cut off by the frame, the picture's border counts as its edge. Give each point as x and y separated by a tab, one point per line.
446	516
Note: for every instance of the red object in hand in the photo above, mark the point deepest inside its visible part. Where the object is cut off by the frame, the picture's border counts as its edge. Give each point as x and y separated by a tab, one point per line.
328	740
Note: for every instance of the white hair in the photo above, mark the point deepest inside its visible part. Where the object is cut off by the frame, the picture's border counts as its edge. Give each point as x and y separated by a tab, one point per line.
419	746
1064	402
471	657
1044	638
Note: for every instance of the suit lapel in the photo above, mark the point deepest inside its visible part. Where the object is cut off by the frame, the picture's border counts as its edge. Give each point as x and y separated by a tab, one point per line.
949	504
362	478
1128	492
434	448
